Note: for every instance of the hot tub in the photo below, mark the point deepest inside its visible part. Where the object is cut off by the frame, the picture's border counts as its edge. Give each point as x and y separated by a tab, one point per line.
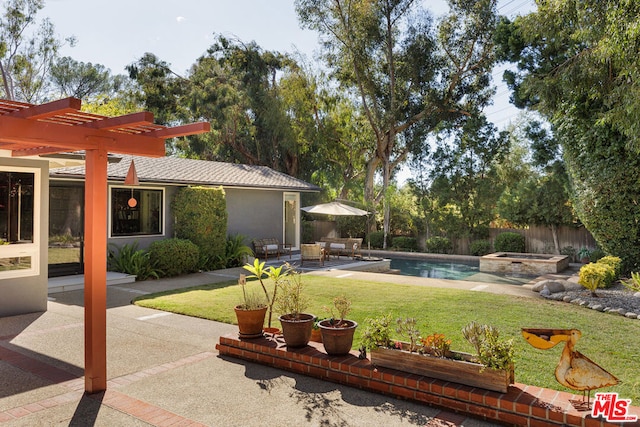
534	264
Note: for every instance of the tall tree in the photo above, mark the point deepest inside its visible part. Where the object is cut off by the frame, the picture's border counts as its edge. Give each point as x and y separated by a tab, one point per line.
577	66
26	56
85	81
408	75
466	184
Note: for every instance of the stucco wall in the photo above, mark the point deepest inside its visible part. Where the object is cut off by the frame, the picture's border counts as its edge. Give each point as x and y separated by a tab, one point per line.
255	214
29	294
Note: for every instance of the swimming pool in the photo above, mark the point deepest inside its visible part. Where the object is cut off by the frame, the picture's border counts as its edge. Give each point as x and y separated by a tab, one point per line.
434	268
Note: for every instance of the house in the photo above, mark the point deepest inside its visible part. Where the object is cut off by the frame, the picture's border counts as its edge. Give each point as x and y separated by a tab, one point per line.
260	202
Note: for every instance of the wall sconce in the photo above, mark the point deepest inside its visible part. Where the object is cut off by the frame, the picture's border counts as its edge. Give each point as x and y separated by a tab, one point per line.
132	179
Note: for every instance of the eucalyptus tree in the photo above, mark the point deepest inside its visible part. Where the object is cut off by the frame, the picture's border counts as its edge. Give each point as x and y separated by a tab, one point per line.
27	51
408	73
577	66
85	81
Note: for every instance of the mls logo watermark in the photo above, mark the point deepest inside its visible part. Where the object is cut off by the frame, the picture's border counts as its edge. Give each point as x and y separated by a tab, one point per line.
612	408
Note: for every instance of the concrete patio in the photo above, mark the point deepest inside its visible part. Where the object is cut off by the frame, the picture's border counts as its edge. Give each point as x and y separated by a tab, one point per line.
163	370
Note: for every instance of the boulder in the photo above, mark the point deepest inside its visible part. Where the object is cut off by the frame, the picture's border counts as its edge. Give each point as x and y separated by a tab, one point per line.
553	286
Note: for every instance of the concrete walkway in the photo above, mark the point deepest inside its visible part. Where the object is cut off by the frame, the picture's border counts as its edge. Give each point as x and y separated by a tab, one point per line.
163	370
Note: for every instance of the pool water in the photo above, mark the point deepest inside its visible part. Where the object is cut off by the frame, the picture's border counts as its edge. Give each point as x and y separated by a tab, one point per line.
436	269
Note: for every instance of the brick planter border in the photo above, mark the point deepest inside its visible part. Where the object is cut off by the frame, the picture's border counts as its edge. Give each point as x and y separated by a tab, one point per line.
522	405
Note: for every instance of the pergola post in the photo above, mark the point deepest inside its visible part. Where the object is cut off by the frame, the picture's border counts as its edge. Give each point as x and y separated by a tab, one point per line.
95	275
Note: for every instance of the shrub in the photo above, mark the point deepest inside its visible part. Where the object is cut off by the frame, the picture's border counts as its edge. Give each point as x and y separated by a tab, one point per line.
174	256
570	252
376	238
615	263
633	284
594	275
131	260
509	242
405	243
480	247
596	254
439	245
236	252
201	217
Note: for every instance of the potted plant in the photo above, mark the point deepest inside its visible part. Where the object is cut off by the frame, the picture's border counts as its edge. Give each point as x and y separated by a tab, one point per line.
290	302
337	332
251	313
275	274
584	255
316	336
491	368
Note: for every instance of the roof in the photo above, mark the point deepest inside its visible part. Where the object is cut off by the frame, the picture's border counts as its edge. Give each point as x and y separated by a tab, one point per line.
174	170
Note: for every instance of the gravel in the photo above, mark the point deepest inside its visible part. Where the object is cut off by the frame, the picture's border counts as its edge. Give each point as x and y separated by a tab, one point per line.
615	300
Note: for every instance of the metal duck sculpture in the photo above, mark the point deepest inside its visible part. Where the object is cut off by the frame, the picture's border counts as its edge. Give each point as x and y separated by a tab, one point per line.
575	370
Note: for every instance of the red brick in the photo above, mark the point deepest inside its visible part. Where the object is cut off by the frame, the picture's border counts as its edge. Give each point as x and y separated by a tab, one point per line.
18	412
450	390
4	417
506	403
477	396
539	410
299	367
534	422
379	386
450	417
402	392
387	377
513	419
491	399
483	412
454	405
317	372
337	376
281	363
436	387
464	393
573	420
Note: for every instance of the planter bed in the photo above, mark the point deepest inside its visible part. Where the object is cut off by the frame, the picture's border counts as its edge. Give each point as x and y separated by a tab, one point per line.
457	368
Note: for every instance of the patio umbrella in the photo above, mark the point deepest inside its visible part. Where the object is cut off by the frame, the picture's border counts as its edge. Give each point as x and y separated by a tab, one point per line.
334	208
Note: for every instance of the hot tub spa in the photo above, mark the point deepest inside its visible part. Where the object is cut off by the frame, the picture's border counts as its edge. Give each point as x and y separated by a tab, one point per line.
517	263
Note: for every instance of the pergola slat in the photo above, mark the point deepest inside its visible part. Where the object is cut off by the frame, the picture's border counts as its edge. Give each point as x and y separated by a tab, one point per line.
62	106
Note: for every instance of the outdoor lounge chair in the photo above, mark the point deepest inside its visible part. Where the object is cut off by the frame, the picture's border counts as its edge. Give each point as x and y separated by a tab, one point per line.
311	252
270	246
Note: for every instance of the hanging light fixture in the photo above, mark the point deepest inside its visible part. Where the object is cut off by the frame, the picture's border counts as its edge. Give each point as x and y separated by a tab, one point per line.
132	179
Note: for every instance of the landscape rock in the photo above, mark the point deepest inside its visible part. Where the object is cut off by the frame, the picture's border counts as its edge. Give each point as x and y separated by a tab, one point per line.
631	315
553	286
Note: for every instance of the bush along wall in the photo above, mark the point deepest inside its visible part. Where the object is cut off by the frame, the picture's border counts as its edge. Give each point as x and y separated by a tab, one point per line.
201	217
509	242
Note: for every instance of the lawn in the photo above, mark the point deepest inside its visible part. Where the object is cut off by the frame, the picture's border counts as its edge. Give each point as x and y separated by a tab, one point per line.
611	341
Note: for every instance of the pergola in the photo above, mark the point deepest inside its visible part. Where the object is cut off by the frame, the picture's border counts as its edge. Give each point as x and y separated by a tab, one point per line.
60	126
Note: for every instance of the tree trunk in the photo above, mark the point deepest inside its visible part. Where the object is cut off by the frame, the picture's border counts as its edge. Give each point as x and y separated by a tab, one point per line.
554	232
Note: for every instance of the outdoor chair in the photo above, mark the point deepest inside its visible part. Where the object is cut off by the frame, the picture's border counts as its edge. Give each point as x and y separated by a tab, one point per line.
269	247
311	252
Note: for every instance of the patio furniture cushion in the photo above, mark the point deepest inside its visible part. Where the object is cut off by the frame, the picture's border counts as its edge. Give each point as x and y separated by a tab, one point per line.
270	246
311	252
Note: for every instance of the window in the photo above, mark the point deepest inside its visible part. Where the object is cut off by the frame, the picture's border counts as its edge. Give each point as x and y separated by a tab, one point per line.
136	211
19	219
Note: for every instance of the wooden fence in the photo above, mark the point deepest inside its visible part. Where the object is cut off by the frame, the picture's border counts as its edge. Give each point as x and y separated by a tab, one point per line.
537	239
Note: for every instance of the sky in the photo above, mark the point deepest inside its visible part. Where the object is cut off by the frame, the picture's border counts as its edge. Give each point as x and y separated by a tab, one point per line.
116	33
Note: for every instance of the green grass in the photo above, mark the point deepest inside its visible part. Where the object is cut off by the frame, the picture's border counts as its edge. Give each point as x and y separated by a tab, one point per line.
611	341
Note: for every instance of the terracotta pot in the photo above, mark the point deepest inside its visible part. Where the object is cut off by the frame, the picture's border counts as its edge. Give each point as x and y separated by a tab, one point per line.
316	335
250	322
337	340
297	332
